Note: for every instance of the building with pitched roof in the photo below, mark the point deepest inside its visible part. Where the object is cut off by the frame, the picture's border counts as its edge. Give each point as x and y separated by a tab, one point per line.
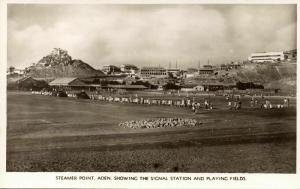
67	81
27	83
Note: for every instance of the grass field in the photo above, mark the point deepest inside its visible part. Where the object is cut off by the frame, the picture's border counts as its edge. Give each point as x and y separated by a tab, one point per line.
61	134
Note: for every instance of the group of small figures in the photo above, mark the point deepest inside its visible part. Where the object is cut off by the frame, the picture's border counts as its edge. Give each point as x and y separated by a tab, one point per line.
265	104
208	105
269	105
185	102
160	123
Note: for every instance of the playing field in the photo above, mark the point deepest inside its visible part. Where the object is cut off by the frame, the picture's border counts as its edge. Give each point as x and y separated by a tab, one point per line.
46	133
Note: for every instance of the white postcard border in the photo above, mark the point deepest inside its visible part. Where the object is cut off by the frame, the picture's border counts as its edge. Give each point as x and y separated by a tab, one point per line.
49	180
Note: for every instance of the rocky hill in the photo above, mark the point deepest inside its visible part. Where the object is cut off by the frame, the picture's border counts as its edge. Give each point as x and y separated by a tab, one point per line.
282	76
60	64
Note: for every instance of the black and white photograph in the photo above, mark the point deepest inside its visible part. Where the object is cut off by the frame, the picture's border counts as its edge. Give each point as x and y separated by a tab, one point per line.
151	88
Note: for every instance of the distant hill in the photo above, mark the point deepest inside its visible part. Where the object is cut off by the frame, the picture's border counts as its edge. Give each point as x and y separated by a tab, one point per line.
59	64
282	76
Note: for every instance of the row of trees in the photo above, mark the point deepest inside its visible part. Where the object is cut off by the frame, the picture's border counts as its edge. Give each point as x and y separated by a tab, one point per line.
249	85
169	85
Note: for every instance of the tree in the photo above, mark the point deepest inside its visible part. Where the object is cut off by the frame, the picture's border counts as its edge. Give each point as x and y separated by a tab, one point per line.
145	83
169	86
170	75
11	69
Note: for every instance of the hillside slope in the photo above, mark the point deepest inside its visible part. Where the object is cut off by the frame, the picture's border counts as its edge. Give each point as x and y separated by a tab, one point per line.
59	64
281	76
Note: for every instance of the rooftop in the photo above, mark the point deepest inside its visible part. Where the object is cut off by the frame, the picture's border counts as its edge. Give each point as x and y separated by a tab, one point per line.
64	81
127	86
154	68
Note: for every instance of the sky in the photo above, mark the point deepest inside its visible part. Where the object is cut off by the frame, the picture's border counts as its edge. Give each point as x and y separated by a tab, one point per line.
148	35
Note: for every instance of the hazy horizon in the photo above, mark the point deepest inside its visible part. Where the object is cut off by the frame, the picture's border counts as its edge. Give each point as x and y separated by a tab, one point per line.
148	34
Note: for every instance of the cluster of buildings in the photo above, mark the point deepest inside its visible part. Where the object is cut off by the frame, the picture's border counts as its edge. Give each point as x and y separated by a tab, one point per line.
124	68
73	84
131	77
206	70
144	72
161	72
202	79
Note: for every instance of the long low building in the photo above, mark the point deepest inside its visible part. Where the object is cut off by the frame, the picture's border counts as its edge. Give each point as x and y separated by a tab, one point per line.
71	83
127	87
155	72
67	81
266	57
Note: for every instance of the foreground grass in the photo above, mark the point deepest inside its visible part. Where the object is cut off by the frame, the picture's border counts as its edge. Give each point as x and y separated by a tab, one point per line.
89	138
265	158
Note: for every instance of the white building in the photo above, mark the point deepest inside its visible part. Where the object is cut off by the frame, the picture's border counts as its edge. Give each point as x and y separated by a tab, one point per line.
129	69
109	69
193	88
199	88
191	75
155	72
266	57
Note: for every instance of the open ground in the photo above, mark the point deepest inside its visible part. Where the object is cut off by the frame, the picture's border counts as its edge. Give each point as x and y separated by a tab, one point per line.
46	133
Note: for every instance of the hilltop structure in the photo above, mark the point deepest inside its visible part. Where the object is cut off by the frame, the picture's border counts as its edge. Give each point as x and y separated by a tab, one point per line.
272	57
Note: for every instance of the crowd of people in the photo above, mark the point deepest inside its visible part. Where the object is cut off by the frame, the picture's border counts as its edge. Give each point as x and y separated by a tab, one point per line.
236	103
268	105
232	101
160	123
192	103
